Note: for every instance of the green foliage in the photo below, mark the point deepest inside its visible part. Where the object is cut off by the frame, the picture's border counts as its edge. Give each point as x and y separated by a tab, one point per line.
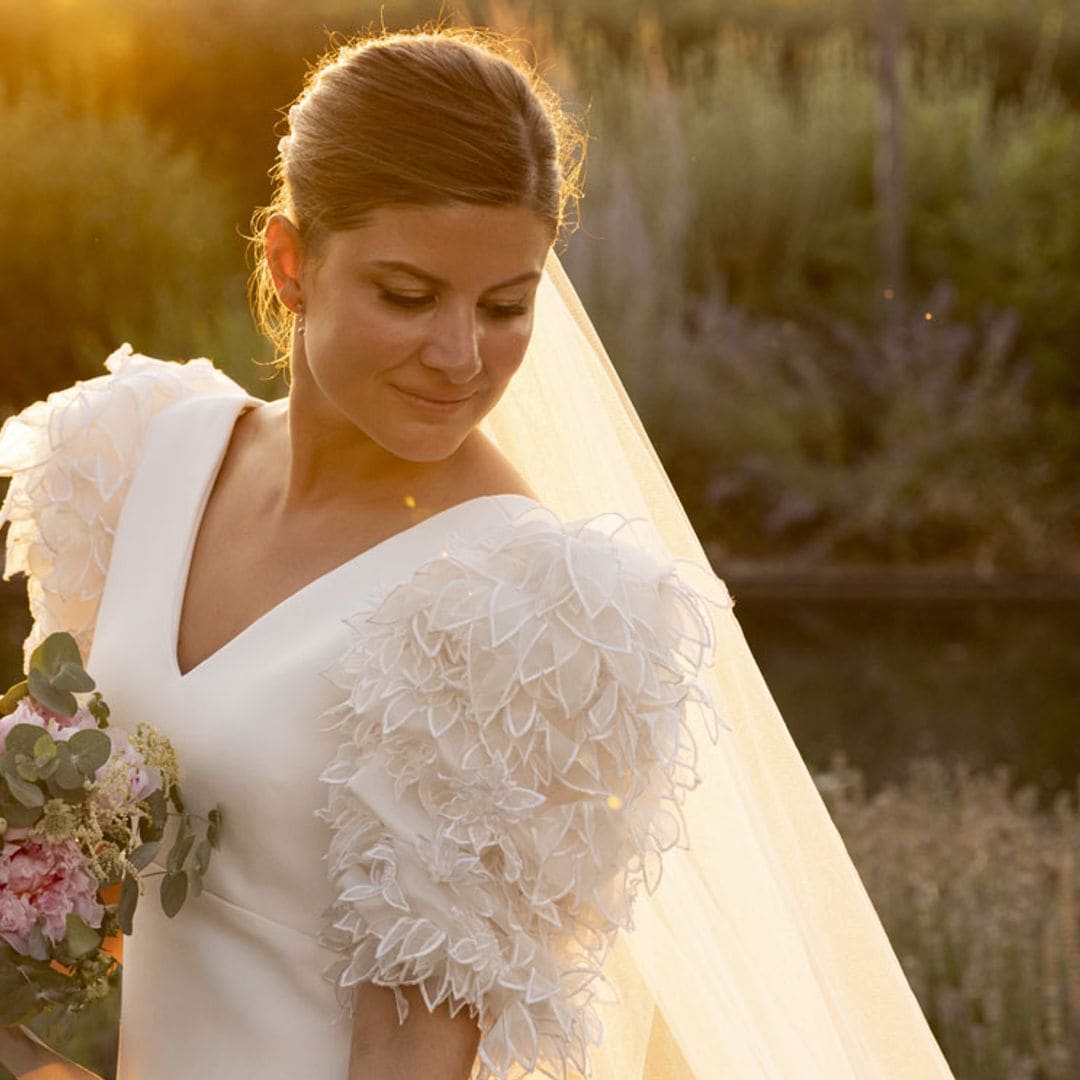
729	256
111	234
51	783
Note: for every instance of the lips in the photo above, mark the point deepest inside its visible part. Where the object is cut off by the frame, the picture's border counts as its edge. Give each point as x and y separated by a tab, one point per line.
434	405
434	398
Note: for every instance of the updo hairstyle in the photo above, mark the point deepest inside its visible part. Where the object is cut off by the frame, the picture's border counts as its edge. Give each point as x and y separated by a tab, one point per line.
423	118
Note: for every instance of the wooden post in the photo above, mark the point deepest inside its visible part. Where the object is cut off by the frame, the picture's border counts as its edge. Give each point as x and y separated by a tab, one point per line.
889	186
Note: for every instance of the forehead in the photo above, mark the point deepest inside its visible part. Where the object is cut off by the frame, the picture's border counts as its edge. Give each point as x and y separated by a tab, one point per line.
458	242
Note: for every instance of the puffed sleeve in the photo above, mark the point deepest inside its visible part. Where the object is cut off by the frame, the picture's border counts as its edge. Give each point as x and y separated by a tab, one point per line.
71	458
516	741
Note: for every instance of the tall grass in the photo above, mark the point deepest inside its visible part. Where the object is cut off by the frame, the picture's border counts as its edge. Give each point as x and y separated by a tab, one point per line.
978	894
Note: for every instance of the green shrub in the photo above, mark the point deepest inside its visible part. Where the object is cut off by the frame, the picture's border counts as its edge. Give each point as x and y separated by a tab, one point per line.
110	235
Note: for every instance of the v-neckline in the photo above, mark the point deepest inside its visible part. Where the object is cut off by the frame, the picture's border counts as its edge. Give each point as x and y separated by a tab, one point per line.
195	528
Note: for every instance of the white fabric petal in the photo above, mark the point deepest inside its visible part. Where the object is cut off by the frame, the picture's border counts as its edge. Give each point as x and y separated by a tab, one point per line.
528	699
71	458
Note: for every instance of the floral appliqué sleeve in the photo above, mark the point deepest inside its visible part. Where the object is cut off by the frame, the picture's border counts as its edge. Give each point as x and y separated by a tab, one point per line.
71	458
515	745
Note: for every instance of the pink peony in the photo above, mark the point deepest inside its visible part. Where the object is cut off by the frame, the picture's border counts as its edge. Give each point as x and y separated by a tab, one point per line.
144	779
48	881
17	917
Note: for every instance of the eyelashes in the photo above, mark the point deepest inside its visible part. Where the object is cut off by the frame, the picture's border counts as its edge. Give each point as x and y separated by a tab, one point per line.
410	302
404	300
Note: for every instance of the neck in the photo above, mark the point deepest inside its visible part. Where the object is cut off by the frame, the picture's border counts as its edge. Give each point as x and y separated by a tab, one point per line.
323	458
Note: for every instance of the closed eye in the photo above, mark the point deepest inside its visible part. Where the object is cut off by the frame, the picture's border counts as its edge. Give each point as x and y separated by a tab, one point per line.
405	300
507	311
417	301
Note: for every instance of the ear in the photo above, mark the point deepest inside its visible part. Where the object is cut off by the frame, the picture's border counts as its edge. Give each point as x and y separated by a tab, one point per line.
284	255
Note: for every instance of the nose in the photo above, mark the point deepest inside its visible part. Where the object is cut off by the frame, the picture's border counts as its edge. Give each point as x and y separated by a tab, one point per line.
454	345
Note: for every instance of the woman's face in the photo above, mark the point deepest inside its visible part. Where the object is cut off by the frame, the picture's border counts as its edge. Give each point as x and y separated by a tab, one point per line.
415	322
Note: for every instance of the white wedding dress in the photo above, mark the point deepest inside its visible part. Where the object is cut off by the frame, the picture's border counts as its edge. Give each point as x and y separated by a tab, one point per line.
449	762
448	867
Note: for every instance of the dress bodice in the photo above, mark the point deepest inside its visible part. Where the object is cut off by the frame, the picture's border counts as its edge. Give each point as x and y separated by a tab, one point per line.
244	723
449	763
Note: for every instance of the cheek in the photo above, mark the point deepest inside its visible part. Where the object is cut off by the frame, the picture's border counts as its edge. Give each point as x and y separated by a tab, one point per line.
362	343
504	352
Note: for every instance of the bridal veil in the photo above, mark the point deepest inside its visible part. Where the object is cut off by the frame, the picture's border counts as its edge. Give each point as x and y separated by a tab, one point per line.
759	954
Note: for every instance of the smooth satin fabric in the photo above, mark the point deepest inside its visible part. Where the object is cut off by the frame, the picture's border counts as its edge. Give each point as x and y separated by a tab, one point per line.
234	985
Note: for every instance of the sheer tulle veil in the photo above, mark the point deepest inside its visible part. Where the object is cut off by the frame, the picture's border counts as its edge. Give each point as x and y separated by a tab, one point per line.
759	953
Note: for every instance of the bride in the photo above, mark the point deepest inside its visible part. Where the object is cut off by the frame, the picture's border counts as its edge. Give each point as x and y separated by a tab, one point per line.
437	634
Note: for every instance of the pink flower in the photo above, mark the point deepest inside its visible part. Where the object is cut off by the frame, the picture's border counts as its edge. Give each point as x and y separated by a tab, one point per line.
17	918
47	881
143	779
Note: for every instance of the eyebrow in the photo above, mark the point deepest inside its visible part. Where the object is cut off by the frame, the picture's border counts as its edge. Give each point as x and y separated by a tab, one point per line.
408	268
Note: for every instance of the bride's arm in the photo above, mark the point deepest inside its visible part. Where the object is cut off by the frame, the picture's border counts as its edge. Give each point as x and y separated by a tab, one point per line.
28	1058
432	1045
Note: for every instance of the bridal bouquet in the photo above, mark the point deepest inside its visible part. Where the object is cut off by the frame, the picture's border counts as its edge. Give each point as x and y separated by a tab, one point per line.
83	811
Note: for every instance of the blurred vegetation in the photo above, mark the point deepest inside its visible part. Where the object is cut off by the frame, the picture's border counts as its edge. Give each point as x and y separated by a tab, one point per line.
978	893
728	248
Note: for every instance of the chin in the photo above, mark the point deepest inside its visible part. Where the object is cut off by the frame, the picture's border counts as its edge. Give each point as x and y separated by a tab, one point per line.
431	449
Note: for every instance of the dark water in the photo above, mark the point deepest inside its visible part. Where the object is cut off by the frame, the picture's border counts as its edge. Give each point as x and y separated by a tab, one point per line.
980	681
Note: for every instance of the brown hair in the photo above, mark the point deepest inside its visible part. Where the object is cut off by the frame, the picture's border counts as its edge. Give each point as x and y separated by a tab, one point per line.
421	118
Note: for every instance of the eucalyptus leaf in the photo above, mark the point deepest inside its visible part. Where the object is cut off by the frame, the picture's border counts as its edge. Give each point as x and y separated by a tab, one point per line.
46	770
90	749
29	795
98	709
63	1027
201	862
151	828
179	851
72	677
13	697
175	798
26	769
43	691
38	944
213	828
174	889
14	812
125	910
18	1005
80	939
142	856
54	652
66	779
20	740
44	748
195	884
10	976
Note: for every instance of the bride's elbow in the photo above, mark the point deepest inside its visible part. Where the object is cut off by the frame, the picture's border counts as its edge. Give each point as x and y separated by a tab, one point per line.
433	1045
